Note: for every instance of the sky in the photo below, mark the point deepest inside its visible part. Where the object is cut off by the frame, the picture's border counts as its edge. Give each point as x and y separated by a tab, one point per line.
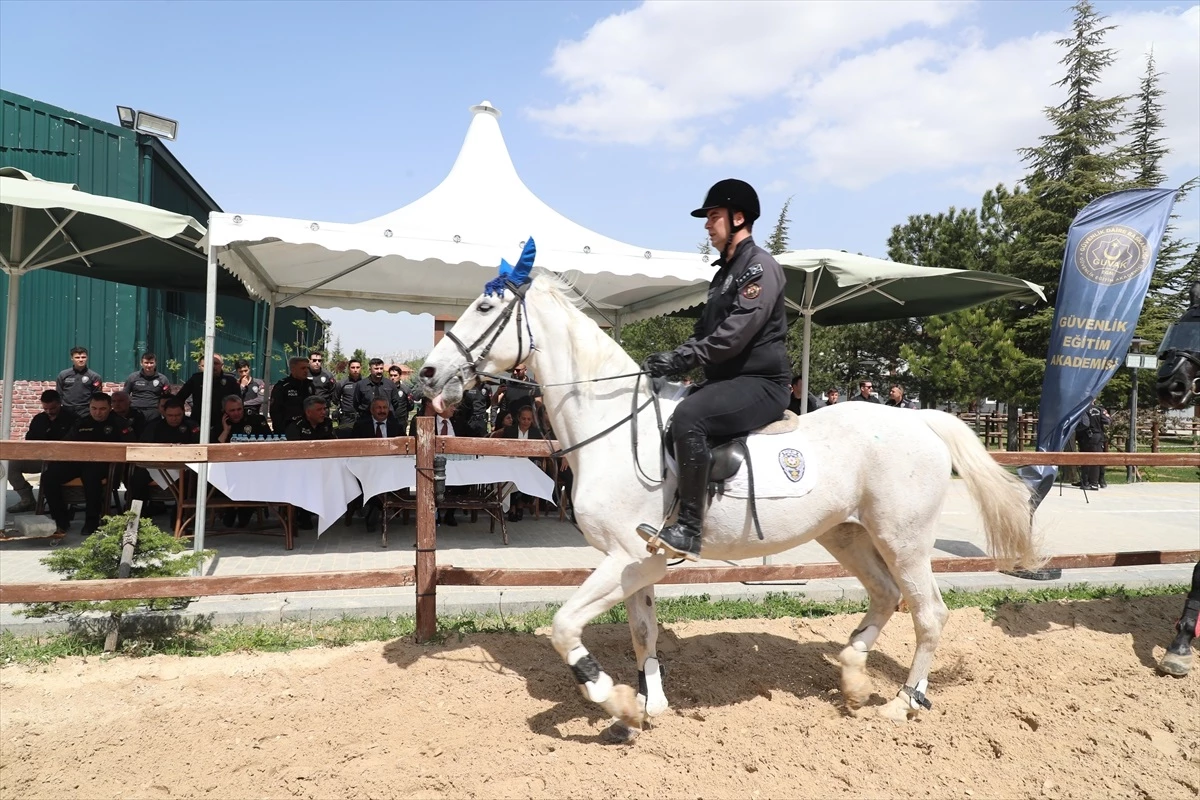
618	115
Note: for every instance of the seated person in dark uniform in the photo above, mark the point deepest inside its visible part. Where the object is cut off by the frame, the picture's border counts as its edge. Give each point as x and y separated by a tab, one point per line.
313	427
173	428
122	407
379	424
52	425
101	425
235	421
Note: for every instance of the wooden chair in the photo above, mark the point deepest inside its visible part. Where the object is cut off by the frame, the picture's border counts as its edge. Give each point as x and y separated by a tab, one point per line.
479	498
181	490
73	493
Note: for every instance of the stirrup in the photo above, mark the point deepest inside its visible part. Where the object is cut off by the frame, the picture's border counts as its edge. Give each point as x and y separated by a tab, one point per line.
655	546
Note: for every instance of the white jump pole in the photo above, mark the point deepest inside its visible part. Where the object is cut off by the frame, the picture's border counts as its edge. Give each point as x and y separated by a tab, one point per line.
210	341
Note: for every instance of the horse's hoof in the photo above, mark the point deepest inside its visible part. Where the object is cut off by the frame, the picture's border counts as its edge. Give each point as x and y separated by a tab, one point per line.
897	710
1175	664
623	705
856	686
620	733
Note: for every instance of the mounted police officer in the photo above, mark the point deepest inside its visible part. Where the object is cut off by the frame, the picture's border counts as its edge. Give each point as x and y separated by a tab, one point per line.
740	341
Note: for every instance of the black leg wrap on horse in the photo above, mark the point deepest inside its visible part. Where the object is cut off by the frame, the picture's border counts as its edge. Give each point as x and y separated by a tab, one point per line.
586	669
1187	628
642	689
917	697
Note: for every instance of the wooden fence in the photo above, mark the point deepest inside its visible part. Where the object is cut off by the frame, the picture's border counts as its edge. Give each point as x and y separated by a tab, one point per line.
427	574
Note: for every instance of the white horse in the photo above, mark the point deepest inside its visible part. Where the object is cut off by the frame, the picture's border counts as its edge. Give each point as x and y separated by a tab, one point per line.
883	474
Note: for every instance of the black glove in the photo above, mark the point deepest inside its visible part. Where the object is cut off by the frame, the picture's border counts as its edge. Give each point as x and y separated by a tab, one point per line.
662	364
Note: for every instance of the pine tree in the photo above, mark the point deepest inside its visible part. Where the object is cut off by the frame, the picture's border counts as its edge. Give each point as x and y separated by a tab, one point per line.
1174	271
1148	148
777	242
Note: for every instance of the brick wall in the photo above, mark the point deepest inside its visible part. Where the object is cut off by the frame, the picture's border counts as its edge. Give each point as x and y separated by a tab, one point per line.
27	403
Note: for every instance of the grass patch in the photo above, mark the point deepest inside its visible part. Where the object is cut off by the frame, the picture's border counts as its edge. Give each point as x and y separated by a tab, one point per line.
200	639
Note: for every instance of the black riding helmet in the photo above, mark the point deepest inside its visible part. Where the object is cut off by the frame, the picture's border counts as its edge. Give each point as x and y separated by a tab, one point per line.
732	195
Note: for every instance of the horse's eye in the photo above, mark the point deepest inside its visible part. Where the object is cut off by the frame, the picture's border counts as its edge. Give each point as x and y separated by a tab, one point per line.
484	308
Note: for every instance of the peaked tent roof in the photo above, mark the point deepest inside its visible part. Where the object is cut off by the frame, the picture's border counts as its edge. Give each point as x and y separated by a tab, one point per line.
435	254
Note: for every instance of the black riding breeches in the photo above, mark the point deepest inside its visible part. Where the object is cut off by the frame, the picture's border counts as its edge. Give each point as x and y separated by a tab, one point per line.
728	408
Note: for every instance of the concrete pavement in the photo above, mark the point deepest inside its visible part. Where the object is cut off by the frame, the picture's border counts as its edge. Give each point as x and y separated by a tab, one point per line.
1146	516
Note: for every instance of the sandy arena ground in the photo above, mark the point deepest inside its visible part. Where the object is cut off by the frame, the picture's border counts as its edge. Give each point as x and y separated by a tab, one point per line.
1050	700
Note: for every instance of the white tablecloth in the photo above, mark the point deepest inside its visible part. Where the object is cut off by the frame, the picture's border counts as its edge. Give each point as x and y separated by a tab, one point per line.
325	486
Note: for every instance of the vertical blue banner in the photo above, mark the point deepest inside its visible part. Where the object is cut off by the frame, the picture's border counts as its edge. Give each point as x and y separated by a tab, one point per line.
1111	250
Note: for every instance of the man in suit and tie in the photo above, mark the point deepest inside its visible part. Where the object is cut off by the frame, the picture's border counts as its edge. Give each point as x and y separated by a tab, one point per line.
523	428
379	423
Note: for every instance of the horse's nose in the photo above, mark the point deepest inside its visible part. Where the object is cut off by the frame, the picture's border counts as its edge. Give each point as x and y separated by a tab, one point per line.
428	372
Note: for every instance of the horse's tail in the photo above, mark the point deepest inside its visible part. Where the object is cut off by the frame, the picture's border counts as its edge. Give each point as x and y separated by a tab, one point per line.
1003	498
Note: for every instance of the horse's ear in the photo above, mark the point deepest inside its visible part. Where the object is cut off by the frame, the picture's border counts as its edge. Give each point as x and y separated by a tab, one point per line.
520	273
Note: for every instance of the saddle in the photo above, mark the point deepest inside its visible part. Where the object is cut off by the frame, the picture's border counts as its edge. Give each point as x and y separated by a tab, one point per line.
729	452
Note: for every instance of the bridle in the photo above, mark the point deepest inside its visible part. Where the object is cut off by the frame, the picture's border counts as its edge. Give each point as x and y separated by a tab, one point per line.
516	307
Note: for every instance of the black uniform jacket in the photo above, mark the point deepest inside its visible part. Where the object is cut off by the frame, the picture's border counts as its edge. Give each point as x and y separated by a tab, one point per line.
287	401
44	429
77	388
367	390
251	425
145	390
303	431
113	429
324	385
159	432
743	328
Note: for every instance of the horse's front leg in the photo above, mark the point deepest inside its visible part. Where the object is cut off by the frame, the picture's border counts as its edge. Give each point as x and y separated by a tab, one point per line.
643	626
617	577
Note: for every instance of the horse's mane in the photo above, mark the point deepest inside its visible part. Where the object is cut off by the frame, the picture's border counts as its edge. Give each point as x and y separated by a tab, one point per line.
594	352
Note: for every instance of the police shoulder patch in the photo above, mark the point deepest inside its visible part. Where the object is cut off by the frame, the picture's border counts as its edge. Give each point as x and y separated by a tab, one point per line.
752	291
751	274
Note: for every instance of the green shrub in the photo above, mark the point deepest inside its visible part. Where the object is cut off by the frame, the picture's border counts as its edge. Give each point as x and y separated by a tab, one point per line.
157	555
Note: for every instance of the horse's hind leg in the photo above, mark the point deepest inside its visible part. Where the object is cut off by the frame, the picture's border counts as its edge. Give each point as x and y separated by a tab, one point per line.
643	626
617	577
851	545
910	564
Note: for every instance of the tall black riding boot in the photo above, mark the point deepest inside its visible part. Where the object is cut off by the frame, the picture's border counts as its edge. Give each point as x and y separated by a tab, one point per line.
683	536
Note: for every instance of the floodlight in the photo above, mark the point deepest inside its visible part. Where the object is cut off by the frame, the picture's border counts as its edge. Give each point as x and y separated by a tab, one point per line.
155	125
125	113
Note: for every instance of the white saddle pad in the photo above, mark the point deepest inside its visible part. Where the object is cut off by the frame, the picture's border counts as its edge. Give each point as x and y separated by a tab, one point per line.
781	468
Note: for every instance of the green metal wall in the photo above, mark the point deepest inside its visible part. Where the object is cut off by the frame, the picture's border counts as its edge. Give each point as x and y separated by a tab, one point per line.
116	322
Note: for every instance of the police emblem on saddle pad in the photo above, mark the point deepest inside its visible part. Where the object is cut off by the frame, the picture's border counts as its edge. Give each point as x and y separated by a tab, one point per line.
780	468
792	463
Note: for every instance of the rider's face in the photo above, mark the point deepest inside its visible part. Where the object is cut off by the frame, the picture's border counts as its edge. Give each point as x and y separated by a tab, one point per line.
716	224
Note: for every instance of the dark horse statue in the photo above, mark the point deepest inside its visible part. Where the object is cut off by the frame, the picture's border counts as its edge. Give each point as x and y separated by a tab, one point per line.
1178	386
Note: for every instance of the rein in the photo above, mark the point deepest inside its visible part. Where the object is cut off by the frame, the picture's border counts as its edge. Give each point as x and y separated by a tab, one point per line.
517	306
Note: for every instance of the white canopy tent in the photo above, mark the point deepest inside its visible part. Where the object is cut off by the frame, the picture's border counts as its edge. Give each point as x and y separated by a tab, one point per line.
435	254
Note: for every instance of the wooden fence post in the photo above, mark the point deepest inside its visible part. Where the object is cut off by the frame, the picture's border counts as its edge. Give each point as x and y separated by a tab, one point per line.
426	533
128	545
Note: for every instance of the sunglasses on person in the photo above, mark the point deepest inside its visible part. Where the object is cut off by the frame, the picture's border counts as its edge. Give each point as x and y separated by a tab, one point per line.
315	358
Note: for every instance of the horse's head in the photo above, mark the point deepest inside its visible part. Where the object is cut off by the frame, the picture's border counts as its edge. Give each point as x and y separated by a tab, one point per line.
1178	383
492	336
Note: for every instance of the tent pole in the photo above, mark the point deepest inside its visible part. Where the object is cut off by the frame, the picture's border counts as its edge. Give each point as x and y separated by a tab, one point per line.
10	358
210	336
805	353
269	350
10	346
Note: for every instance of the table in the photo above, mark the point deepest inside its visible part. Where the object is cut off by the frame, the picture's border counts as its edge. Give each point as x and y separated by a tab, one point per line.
325	486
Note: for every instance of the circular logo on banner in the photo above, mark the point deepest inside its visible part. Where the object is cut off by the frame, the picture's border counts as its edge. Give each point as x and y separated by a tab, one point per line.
1112	254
